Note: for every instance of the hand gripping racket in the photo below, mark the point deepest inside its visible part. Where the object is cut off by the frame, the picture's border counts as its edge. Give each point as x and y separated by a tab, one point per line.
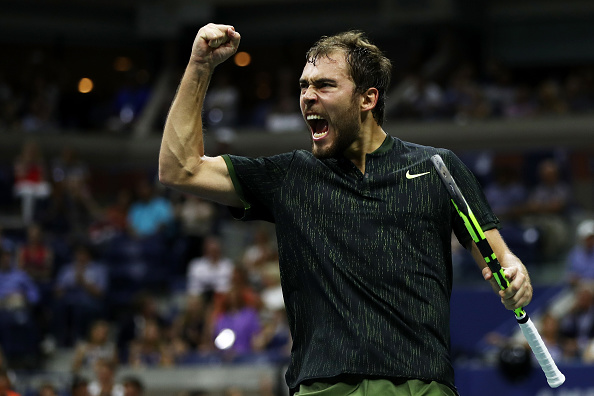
554	377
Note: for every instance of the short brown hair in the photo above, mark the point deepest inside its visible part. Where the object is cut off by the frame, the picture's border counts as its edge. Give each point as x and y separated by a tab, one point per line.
369	67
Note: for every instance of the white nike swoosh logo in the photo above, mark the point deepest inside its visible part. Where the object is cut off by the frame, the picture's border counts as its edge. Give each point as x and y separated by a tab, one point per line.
409	176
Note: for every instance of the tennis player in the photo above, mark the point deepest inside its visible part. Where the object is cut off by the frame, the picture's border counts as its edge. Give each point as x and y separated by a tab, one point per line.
363	222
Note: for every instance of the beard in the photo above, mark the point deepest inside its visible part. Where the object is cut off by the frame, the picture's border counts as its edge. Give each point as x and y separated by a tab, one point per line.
345	131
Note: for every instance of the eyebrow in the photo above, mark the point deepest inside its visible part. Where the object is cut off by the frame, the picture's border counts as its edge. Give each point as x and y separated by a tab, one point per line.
318	81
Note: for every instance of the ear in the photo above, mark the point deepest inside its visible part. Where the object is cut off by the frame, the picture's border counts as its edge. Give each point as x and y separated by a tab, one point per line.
369	99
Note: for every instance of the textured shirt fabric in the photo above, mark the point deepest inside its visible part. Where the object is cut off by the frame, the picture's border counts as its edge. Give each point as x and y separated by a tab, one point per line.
365	259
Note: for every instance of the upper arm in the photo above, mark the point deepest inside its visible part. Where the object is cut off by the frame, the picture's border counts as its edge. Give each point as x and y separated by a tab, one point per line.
207	177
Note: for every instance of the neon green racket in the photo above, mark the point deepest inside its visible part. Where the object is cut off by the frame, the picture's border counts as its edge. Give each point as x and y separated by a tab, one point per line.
554	377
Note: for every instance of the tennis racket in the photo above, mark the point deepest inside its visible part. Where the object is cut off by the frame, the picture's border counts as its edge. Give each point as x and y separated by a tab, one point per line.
554	377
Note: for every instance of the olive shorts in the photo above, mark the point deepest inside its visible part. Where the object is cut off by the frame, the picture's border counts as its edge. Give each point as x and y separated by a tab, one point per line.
376	387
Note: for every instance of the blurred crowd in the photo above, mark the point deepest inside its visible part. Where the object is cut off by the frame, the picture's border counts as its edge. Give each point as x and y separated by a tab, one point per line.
42	95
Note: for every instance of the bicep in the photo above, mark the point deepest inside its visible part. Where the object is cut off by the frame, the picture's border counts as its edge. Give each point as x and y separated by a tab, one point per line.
209	178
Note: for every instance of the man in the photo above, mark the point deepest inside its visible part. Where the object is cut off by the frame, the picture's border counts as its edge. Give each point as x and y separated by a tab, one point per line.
363	223
79	296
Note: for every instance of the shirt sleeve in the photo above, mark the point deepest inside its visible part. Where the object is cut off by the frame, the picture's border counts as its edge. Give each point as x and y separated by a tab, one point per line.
475	197
257	182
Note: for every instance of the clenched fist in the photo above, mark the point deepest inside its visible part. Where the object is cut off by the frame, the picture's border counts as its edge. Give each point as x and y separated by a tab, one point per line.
214	44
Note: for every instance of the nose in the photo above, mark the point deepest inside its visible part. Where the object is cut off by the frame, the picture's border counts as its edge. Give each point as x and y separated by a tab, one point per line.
308	95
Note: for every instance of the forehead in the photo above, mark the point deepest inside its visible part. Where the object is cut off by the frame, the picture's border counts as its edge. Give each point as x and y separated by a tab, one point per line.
332	65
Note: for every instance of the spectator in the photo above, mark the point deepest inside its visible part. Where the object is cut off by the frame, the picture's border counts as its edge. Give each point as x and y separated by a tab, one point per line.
549	331
150	348
581	257
196	217
35	256
79	296
241	320
70	209
133	386
5	384
577	326
547	207
257	254
189	327
31	184
104	383
149	214
97	346
210	273
69	168
132	326
221	103
507	195
240	284
18	293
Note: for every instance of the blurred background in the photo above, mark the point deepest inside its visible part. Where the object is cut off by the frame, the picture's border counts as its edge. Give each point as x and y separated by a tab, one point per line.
109	281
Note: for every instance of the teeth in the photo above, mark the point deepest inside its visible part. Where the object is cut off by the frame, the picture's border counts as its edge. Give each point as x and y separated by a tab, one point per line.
314	117
319	135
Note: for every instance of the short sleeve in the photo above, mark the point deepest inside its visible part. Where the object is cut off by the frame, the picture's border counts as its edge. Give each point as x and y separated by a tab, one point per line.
475	197
257	181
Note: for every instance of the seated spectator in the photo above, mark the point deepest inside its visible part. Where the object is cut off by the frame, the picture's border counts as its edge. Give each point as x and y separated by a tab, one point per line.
210	273
581	257
577	326
133	386
150	348
111	221
551	336
18	293
241	285
132	326
97	346
547	208
79	296
69	168
35	256
189	327
506	194
31	183
6	385
149	214
258	253
244	323
196	217
104	383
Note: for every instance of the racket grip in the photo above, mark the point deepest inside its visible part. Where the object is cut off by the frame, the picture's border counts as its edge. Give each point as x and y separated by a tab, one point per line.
554	377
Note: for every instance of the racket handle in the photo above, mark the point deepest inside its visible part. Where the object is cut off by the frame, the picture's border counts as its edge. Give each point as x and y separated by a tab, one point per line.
554	377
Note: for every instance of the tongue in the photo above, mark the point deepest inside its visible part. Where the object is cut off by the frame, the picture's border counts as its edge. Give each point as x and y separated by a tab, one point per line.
321	126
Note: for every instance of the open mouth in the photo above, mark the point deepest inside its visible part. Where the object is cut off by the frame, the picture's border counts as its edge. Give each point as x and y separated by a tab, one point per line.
318	126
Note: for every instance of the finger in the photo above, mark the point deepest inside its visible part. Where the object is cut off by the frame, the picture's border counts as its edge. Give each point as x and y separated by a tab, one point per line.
487	274
215	35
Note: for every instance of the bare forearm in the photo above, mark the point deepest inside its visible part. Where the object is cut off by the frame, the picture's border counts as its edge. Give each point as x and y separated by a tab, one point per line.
182	145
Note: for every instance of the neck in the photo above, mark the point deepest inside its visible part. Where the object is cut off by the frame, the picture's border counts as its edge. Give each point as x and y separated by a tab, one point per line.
370	139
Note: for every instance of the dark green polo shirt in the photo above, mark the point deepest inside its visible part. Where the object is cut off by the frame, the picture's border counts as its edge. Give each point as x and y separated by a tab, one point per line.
365	259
